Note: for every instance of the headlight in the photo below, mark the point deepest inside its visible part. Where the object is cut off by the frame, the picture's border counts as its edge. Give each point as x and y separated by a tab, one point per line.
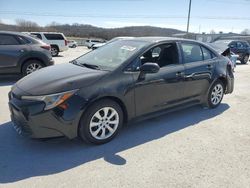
52	100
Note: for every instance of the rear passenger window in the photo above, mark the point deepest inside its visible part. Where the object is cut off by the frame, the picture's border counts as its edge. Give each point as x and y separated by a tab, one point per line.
8	40
51	36
206	53
23	40
192	52
37	35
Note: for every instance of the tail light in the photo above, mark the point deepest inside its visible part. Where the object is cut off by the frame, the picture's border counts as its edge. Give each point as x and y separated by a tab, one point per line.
66	42
46	47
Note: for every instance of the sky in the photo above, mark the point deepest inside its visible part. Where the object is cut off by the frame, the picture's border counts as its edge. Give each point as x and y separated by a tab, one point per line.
206	15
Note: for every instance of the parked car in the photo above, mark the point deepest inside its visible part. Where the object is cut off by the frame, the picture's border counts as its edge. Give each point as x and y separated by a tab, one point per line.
72	44
57	41
123	80
223	49
98	45
241	48
20	53
95	46
90	42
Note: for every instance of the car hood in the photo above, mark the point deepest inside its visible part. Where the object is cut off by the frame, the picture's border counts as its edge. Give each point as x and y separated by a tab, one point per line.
58	78
221	48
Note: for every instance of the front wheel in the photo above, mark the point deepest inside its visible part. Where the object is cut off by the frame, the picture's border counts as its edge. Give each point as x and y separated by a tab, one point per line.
245	59
101	122
215	94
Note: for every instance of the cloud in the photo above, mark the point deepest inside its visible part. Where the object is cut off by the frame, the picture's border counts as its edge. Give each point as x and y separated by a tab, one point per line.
7	21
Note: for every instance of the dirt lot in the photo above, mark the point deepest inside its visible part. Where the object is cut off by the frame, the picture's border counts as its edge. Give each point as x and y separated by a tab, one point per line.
195	147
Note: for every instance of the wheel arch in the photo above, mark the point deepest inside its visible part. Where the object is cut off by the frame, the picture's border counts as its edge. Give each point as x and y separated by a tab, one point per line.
113	98
118	101
55	45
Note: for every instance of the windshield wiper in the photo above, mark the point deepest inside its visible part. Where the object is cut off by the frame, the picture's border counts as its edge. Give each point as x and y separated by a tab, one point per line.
74	62
91	66
85	65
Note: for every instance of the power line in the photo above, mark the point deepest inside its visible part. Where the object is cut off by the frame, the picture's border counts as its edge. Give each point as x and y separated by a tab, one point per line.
19	13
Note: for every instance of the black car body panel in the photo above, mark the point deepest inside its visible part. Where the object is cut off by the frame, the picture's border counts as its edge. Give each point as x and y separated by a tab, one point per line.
55	79
175	86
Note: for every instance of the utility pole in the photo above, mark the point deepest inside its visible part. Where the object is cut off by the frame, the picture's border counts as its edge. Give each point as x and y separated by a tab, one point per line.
189	10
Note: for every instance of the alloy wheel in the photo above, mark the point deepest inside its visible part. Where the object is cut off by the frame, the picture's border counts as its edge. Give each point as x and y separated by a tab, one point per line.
104	123
217	94
54	51
33	67
246	58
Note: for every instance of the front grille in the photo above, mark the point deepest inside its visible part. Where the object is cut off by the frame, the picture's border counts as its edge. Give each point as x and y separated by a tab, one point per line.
15	96
19	121
21	127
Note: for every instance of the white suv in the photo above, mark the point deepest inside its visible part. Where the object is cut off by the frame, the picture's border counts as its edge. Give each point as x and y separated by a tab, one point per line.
57	41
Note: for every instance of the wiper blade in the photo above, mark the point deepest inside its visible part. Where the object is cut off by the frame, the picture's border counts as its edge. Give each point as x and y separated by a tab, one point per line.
91	66
74	62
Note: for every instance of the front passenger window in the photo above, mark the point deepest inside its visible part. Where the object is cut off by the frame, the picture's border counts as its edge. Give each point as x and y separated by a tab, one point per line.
163	55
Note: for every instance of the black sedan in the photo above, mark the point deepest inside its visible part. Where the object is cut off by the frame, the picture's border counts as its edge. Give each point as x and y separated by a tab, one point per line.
94	95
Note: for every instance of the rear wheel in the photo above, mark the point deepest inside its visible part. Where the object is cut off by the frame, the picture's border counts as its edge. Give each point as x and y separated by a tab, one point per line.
215	94
54	51
31	66
101	122
245	59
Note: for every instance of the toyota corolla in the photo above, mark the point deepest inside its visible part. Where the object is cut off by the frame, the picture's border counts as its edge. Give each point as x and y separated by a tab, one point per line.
95	94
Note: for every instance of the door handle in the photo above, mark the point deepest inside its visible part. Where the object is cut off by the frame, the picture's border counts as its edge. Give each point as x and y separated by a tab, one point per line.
180	74
22	50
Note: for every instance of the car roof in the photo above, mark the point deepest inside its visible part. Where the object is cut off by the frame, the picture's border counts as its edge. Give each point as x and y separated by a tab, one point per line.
45	32
13	33
159	39
227	41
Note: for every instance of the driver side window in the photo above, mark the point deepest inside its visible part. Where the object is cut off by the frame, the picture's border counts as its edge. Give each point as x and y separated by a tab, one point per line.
163	55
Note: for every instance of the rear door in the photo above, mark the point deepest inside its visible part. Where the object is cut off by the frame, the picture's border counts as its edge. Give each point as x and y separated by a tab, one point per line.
199	64
11	50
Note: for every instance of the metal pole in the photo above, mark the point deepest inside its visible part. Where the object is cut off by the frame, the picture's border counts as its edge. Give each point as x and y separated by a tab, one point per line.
189	10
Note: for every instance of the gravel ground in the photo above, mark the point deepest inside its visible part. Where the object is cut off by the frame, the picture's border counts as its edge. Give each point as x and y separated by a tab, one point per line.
195	147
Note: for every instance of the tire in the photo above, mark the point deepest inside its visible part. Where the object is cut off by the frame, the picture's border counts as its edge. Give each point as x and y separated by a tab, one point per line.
245	59
31	66
95	128
215	94
54	51
74	46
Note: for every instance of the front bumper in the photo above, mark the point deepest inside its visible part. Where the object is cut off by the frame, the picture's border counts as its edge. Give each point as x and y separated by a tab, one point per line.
29	118
51	62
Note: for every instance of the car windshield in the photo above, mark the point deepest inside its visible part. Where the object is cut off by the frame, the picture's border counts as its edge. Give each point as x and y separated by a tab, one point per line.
111	55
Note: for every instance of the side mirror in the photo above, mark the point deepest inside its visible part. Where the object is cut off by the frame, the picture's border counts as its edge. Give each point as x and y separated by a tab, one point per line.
149	68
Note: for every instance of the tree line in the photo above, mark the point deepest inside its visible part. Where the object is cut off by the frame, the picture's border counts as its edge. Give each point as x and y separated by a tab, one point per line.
88	31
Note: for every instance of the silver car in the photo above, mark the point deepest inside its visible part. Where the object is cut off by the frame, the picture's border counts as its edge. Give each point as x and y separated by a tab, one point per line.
20	53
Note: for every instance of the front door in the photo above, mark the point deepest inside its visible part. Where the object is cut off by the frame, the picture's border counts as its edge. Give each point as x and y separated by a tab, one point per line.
163	89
